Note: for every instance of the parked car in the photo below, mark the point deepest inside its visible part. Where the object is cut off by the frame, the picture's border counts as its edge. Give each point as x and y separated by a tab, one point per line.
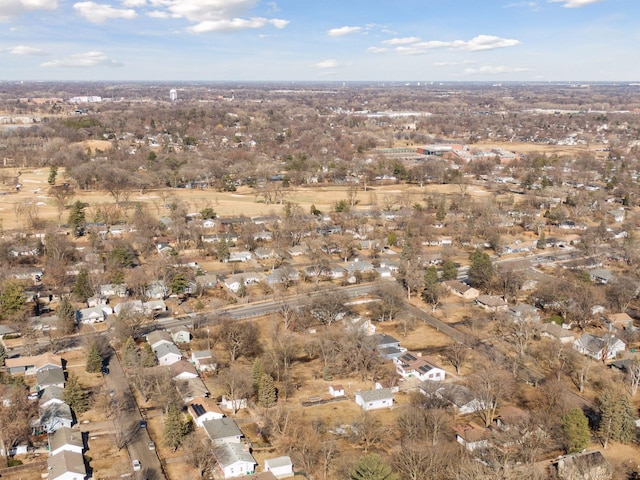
136	465
152	446
143	424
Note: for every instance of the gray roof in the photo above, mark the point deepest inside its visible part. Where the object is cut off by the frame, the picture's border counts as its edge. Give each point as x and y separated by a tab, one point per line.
158	336
64	462
52	393
375	395
50	376
277	462
229	453
65	436
221	428
166	349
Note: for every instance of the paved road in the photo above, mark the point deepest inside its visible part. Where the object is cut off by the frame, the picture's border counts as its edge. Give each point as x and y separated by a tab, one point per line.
127	422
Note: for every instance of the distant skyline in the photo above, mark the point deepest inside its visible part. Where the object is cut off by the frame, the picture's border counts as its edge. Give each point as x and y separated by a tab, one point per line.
299	40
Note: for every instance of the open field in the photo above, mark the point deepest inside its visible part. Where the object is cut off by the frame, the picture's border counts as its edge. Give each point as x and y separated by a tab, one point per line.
243	202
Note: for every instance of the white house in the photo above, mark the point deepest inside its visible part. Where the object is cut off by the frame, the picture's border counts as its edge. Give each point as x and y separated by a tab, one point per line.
167	354
114	290
233	403
66	465
96	314
180	334
410	365
128	308
203	360
281	467
203	409
222	430
599	348
555	331
243	256
234	282
459	396
374	399
234	459
65	439
158	337
492	303
472	436
336	390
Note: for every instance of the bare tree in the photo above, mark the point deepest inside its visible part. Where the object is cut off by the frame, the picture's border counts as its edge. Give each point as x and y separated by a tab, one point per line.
367	431
237	385
457	354
491	386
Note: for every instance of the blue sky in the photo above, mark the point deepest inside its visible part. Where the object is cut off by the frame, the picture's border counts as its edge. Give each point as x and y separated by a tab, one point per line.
347	40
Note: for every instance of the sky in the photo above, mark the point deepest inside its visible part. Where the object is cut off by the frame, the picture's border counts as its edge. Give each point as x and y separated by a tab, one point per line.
313	40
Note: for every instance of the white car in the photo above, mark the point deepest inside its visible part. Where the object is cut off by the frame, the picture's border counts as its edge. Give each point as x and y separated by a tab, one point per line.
136	465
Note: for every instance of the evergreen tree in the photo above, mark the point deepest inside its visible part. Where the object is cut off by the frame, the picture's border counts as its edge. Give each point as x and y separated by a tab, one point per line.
542	242
617	418
449	270
66	316
74	396
481	269
53	173
576	428
178	283
77	218
372	467
267	395
82	287
147	357
12	298
257	370
175	428
94	359
130	353
223	249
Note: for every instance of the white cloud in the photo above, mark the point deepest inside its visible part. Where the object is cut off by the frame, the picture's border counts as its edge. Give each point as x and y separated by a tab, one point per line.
235	24
377	50
13	8
158	14
444	64
493	70
413	45
575	3
134	3
273	7
342	31
401	41
99	13
531	5
330	63
24	50
83	60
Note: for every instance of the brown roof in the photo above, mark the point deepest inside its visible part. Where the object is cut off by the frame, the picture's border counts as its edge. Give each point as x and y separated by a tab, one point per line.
208	404
471	432
37	361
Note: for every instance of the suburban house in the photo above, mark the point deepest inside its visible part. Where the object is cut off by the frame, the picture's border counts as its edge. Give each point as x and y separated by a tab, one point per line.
235	282
410	365
263	253
243	256
492	303
32	364
578	466
374	399
158	337
460	397
167	354
524	312
52	418
281	467
602	348
156	290
128	308
471	436
191	388
233	403
180	334
282	275
154	307
620	322
336	390
388	346
95	314
111	290
65	439
203	409
222	430
601	275
203	360
66	465
50	377
555	331
51	396
208	280
182	370
461	289
234	459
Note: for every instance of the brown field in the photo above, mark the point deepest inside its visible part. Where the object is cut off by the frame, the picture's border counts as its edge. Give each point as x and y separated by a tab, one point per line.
243	202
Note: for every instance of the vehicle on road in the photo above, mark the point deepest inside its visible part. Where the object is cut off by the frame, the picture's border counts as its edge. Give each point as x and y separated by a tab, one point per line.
152	446
112	393
143	424
136	465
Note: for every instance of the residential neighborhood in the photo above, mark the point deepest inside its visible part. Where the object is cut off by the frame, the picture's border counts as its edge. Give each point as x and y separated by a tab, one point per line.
221	288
